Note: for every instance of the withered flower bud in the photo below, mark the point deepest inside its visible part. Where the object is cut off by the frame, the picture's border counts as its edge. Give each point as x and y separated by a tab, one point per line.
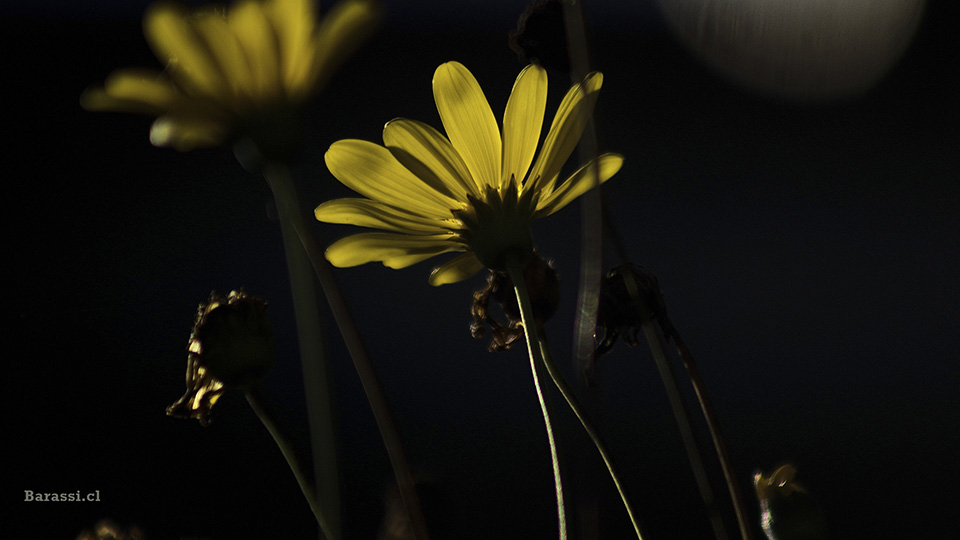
629	296
541	36
787	511
231	346
543	285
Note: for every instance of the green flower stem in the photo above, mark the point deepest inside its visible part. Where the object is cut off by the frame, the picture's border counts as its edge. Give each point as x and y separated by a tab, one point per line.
574	404
258	406
686	429
718	443
536	360
288	207
313	356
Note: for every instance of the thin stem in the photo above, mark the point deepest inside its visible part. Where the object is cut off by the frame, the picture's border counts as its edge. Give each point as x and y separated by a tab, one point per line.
285	194
574	404
258	406
699	388
591	236
686	429
713	426
534	351
313	360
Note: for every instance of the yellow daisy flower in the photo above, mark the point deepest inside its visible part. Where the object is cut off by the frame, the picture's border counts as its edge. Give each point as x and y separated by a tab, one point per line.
474	192
245	70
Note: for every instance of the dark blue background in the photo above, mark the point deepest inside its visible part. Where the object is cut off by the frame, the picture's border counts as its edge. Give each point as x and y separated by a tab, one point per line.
807	252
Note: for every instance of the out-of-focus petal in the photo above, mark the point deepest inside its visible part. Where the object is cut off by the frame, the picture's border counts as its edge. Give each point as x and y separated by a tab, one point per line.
428	154
565	131
367	213
294	22
456	269
468	121
372	171
522	122
185	134
249	23
341	31
129	90
173	39
579	183
225	48
393	250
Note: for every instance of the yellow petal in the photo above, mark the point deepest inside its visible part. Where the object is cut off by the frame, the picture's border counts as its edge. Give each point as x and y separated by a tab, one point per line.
428	154
372	171
367	213
96	99
565	131
522	122
294	22
174	41
341	31
225	49
579	183
249	23
393	250
468	120
456	269
129	90
185	134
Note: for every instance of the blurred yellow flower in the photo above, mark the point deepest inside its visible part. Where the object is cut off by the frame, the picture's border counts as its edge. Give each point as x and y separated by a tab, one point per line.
238	71
473	192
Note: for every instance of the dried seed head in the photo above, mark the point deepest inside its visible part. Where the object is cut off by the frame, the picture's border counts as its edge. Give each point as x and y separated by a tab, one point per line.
231	345
543	285
541	36
629	296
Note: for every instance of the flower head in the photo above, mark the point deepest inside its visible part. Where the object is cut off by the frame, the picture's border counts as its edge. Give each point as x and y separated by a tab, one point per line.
244	71
474	190
231	345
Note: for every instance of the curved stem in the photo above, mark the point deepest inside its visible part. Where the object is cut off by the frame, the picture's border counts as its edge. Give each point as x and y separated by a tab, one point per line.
713	426
313	360
285	194
686	429
256	403
574	404
534	351
673	391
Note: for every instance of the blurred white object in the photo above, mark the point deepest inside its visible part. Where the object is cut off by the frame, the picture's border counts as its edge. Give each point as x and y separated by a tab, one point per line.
787	512
804	49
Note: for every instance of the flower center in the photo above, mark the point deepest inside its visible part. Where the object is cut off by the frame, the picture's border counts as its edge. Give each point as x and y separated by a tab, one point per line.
497	226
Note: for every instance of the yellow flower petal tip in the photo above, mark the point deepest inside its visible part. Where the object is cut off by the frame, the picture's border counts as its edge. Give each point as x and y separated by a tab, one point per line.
242	72
475	189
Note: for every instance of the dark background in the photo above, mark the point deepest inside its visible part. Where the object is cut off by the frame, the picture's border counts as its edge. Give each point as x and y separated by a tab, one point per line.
807	251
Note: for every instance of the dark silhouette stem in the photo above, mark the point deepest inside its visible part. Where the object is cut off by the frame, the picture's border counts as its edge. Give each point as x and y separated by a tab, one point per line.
682	417
706	407
258	406
288	205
